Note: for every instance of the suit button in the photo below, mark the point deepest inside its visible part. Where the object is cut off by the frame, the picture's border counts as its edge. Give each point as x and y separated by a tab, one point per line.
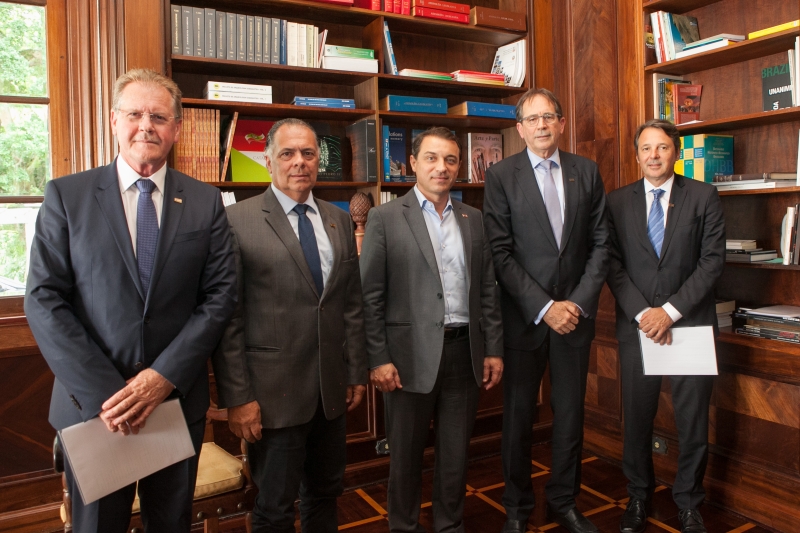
138	365
658	295
321	308
146	319
439	324
660	269
439	295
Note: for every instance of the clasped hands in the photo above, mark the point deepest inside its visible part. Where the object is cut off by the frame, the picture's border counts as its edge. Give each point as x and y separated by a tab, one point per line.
656	324
385	378
128	409
562	317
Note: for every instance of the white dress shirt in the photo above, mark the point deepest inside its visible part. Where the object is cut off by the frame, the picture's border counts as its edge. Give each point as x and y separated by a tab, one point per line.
448	246
664	201
127	178
323	242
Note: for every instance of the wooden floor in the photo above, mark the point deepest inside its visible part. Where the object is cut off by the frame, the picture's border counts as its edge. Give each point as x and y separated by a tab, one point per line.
602	499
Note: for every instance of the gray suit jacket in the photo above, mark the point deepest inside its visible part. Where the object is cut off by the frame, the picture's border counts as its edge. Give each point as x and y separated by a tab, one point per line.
403	304
286	344
85	305
692	254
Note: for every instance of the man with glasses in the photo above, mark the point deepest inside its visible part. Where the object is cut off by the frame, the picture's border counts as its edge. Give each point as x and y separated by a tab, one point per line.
132	281
544	213
293	360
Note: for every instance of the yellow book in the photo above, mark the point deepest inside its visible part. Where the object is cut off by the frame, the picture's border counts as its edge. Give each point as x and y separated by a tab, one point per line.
774	29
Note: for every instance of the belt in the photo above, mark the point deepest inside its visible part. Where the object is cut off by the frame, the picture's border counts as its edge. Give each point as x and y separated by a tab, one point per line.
456	333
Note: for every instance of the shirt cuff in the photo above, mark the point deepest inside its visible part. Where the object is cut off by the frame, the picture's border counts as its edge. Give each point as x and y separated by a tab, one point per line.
672	312
638	317
583	313
543	312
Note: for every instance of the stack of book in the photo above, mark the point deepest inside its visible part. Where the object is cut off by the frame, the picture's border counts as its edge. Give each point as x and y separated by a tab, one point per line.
471	76
778	322
311	101
336	57
509	60
401	7
672	33
441	10
725	309
206	32
765	180
425	74
711	43
387	197
746	251
483	109
675	99
238	92
414	104
197	151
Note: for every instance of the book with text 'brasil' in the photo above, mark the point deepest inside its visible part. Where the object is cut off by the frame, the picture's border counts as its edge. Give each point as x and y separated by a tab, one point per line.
414	104
247	153
776	87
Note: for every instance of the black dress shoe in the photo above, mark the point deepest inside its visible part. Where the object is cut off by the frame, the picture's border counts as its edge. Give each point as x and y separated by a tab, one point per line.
634	520
514	526
573	520
691	521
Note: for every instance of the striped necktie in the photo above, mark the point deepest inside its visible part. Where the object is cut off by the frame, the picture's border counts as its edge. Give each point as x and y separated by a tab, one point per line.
146	232
655	222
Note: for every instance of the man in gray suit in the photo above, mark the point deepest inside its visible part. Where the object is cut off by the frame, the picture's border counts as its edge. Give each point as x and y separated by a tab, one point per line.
131	283
434	333
292	360
668	251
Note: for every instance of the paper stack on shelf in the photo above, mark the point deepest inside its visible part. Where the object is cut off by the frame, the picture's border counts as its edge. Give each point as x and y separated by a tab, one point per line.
238	92
509	60
471	76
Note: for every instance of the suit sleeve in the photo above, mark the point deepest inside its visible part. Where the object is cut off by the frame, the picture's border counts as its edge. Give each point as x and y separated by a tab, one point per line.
231	371
625	291
709	268
373	286
354	318
594	275
77	361
186	356
526	292
490	304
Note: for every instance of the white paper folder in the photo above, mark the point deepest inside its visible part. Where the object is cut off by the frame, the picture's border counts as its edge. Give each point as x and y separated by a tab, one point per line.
104	462
692	353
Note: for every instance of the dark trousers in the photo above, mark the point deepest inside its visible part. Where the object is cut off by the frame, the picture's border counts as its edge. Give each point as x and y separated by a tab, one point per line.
522	376
165	497
690	399
306	460
452	404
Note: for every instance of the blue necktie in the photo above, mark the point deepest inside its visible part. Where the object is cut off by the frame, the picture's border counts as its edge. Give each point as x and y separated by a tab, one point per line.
308	242
146	231
551	201
655	222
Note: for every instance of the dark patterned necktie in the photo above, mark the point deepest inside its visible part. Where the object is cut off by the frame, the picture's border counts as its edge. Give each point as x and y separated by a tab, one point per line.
146	231
308	242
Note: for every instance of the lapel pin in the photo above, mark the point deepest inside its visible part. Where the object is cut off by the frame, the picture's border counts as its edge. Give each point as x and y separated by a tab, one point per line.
671	205
333	226
178	200
464	215
572	179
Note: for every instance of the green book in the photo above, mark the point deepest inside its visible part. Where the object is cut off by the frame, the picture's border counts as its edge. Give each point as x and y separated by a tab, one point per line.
348	51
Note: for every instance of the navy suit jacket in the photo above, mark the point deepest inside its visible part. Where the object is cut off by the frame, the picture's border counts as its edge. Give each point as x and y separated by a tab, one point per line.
85	304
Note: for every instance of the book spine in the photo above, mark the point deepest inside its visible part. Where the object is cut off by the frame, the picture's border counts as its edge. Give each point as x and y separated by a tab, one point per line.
496	18
199	31
210	23
374	5
397	7
387	158
371	150
291	43
390	65
251	44
440	15
239	97
284	31
241	37
187	20
388	6
232	39
258	39
310	33
222	35
488	110
418	105
347	51
326	104
275	45
266	35
175	20
405	8
443	5
229	86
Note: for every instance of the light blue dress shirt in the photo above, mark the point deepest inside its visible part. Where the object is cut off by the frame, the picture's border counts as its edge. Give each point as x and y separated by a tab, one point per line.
323	242
448	247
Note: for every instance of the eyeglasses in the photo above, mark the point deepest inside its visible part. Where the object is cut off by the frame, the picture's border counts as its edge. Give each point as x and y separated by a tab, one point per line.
135	117
532	120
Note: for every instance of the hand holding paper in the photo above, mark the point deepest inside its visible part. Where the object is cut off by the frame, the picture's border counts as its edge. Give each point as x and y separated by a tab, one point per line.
692	353
129	408
655	323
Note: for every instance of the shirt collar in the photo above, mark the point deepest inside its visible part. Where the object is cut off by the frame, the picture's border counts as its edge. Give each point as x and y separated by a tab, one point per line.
128	176
424	201
666	186
535	159
288	204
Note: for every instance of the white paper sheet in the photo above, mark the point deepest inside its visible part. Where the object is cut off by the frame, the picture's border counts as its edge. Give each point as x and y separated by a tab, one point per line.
103	461
692	353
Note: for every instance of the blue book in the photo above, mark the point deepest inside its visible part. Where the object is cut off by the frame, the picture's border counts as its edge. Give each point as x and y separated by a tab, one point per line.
386	157
344	206
397	152
334	105
484	109
348	103
284	23
389	62
414	104
457	195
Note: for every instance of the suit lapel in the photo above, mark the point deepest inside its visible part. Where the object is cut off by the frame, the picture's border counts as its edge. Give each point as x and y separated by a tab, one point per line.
530	188
639	210
466	237
279	222
171	213
335	235
674	207
416	222
108	197
571	197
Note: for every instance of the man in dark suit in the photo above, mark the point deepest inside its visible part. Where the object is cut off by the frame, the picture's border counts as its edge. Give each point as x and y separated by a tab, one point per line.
668	251
434	332
131	283
292	360
544	212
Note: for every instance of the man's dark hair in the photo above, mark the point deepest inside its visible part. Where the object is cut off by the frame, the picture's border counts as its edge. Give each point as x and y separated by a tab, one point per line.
436	131
270	146
533	93
667	127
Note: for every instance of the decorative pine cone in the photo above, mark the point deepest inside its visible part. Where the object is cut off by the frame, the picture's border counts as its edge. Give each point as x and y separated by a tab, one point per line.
360	204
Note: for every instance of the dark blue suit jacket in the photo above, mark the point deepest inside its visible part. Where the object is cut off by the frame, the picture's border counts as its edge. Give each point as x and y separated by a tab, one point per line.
85	305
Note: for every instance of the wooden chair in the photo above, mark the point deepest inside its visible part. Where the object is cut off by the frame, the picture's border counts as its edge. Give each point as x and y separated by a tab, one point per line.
224	484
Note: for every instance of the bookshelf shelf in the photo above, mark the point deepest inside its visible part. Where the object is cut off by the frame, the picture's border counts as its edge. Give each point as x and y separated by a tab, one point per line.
281	110
728	336
451	30
449	121
781	190
409	184
407	83
762	265
762	118
675	6
733	53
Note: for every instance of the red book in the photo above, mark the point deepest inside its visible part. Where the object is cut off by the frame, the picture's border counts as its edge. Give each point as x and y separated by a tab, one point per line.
443	5
374	5
406	7
440	15
337	2
388	6
398	6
